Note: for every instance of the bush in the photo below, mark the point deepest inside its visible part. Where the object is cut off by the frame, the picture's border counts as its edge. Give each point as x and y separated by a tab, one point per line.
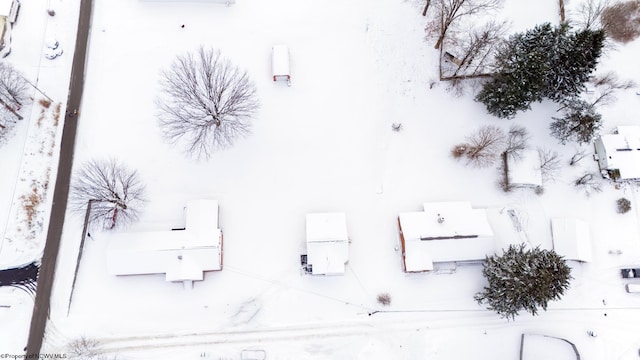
384	299
622	21
459	150
624	205
539	190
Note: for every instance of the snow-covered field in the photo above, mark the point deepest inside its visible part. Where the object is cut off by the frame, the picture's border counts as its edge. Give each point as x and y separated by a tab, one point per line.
323	144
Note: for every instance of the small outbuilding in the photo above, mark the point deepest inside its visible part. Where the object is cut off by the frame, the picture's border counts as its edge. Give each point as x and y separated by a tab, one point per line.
444	232
524	169
571	239
280	63
618	154
183	255
327	244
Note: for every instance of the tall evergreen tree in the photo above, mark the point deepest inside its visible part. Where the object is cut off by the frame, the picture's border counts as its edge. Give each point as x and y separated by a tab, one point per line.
544	62
523	280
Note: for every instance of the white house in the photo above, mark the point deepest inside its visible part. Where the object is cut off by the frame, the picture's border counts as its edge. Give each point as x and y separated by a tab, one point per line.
524	169
618	154
183	254
571	239
444	232
327	243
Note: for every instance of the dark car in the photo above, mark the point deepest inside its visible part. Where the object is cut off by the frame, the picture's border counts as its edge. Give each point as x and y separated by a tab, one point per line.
630	273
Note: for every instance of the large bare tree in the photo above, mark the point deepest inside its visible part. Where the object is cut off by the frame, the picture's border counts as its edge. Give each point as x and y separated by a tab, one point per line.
13	94
449	12
114	193
206	102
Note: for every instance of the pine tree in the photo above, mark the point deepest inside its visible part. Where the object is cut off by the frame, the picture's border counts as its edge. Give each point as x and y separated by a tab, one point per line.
544	62
580	122
523	280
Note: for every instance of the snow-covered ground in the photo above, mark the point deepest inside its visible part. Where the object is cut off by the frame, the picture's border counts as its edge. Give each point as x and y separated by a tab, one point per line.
323	144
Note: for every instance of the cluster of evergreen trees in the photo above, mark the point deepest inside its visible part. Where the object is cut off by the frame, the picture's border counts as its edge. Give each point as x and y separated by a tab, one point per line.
523	279
547	62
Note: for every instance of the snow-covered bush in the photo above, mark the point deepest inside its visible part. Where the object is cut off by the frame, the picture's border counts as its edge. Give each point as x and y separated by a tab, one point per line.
384	299
523	279
624	205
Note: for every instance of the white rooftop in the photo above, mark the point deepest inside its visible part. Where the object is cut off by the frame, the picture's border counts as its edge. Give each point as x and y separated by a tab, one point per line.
183	255
536	347
524	169
327	243
280	61
445	232
571	239
621	151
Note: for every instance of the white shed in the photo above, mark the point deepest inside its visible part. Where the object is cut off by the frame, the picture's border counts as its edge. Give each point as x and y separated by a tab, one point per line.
524	169
618	154
571	239
183	255
280	63
444	232
327	243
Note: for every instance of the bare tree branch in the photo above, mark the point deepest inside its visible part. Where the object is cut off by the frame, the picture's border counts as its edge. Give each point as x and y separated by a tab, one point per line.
116	193
549	163
448	12
517	140
206	102
484	145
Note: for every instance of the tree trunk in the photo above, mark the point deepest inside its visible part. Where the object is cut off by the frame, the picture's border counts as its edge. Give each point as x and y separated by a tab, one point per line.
439	42
426	8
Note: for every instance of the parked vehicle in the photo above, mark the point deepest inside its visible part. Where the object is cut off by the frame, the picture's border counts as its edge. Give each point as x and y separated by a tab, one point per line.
628	273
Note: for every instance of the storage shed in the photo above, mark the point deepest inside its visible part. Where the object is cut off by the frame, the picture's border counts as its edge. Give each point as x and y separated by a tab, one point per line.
571	239
444	232
280	63
523	169
327	243
183	254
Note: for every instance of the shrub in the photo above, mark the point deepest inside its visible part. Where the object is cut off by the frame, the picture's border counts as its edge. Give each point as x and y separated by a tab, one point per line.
459	150
384	299
624	205
622	21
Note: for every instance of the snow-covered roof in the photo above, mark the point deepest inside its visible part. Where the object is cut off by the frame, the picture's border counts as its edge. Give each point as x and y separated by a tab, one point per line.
621	151
280	60
327	243
445	232
524	169
180	254
571	238
535	347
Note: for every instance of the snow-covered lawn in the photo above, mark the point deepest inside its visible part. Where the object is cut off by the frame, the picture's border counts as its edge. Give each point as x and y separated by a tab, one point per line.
325	144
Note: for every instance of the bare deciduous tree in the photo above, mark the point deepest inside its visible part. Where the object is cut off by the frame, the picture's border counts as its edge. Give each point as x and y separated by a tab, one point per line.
476	51
589	182
549	163
517	140
607	84
621	21
588	14
206	101
13	94
577	156
484	145
115	192
449	12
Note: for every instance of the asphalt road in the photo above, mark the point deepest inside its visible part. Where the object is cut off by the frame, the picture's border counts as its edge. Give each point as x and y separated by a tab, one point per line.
52	246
